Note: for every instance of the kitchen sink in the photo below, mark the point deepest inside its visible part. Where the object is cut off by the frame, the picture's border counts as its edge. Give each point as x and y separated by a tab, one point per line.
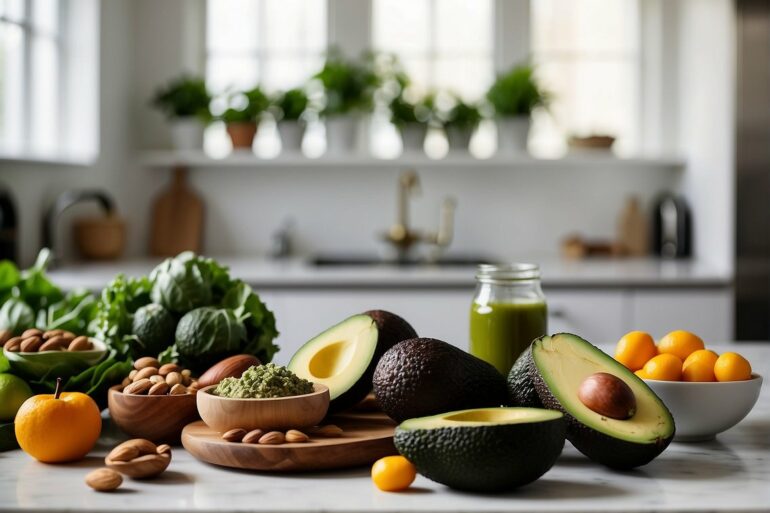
347	260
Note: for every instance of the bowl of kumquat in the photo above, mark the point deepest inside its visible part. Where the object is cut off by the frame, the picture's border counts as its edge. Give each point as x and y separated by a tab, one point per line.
706	392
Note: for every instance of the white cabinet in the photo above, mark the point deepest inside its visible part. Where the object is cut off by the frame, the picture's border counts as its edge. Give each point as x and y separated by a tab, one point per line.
707	312
596	315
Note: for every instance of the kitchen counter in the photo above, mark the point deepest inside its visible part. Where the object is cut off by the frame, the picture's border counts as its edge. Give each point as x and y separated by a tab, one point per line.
730	474
299	273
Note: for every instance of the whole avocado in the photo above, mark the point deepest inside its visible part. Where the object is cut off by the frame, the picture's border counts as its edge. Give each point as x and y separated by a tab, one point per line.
424	376
521	389
154	327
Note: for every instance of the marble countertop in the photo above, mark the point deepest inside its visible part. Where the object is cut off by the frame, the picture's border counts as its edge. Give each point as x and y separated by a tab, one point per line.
730	474
299	273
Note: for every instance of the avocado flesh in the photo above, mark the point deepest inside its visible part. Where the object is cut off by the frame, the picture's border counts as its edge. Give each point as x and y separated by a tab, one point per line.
483	450
560	364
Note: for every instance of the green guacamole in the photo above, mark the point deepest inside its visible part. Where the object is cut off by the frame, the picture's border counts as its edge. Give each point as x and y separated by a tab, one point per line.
264	381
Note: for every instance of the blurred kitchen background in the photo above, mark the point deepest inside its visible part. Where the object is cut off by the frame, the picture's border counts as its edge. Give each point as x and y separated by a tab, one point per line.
623	145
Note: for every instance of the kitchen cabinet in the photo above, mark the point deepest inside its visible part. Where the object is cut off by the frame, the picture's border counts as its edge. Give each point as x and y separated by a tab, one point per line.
707	312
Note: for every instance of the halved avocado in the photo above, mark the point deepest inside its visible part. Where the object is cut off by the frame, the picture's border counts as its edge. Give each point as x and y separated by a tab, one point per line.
559	364
344	357
483	450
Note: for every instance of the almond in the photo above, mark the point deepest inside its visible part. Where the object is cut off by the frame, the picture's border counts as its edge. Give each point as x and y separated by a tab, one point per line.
5	336
68	334
132	374
163	449
329	431
159	389
296	437
32	332
52	333
157	379
104	480
138	387
13	345
186	373
178	389
124	452
231	367
252	437
173	378
80	344
31	344
169	367
126	381
234	435
272	438
145	373
141	445
53	344
146	361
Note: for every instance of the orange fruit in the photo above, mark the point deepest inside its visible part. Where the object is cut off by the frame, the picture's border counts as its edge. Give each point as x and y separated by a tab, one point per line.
699	366
664	367
59	427
634	349
680	343
732	367
641	374
393	473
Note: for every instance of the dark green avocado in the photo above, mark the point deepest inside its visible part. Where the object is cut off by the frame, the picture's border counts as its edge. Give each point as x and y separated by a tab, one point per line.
483	450
521	390
344	356
425	376
154	328
559	364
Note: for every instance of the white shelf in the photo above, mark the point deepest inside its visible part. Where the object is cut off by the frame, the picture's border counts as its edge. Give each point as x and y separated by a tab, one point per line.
245	159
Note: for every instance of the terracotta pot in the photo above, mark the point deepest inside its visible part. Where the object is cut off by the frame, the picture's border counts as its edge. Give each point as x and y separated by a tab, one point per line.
242	133
100	238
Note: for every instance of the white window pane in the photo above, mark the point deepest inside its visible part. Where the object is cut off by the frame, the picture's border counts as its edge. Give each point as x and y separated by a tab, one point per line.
420	72
45	16
232	25
287	72
45	83
12	9
464	27
295	25
401	26
468	77
11	69
225	72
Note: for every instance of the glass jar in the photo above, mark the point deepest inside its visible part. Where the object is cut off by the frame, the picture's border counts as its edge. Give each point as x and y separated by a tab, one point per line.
508	312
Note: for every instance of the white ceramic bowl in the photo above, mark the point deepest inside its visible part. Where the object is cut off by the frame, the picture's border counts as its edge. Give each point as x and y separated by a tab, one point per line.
703	410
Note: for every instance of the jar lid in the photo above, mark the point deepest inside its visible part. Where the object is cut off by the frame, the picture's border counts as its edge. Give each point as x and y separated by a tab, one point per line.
490	273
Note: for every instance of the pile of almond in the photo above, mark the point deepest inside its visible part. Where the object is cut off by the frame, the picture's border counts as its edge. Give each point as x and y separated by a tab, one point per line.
137	458
149	377
34	340
292	436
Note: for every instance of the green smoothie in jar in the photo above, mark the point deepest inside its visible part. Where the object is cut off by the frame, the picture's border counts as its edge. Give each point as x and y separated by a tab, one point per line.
508	312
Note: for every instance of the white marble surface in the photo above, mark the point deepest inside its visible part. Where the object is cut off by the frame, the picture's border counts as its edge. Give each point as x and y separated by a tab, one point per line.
298	273
731	474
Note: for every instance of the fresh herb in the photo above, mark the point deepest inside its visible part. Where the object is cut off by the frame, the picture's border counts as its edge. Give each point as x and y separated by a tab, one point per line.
290	105
404	111
264	381
348	84
246	107
516	93
184	96
465	116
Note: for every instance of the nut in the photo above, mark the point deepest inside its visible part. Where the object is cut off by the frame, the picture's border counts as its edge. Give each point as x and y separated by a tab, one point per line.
13	344
159	389
32	332
104	480
132	374
234	435
126	381
81	343
140	444
139	387
186	380
193	386
145	373
173	378
272	438
68	334
5	336
178	390
157	379
329	431
232	367
146	361
124	452
163	449
186	373
169	367
252	437
146	466
31	344
53	344
296	437
52	333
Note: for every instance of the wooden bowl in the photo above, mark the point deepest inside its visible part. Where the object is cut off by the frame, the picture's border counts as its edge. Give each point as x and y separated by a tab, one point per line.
158	418
100	238
279	413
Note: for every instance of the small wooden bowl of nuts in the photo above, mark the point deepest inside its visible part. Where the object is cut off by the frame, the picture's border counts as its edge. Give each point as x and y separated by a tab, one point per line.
155	402
36	352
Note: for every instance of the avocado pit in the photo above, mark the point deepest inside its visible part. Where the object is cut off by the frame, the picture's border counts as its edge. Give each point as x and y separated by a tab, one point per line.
608	395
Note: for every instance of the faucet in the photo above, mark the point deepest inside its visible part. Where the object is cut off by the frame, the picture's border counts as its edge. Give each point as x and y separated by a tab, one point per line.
401	236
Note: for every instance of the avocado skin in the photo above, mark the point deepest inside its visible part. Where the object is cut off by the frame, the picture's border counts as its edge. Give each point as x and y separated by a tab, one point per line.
424	376
491	458
521	390
391	329
601	448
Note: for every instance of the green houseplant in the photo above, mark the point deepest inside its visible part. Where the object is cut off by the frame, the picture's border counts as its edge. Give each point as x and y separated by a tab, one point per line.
460	121
185	102
288	109
514	96
412	118
242	117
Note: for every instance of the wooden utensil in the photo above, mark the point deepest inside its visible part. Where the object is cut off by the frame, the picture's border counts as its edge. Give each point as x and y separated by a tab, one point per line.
223	413
177	218
366	438
158	418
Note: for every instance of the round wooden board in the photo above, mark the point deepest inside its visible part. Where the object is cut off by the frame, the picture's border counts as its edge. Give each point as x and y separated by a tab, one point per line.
366	438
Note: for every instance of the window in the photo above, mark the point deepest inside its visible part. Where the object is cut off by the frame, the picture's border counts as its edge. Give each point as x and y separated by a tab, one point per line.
587	54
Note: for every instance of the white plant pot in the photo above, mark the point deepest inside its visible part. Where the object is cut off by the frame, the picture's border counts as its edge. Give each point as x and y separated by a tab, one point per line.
342	135
459	139
292	133
512	134
187	134
413	137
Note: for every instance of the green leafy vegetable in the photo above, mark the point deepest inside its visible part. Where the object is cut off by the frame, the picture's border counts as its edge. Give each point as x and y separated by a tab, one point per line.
16	315
154	329
206	335
114	312
516	93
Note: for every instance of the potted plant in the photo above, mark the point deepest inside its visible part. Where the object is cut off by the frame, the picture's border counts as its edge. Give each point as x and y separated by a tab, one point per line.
348	89
288	109
514	96
243	115
411	118
185	101
460	122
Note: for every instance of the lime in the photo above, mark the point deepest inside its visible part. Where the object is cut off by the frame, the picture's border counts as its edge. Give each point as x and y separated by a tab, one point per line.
13	392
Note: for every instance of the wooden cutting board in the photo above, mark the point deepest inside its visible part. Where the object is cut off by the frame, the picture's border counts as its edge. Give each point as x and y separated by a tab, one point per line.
177	218
366	438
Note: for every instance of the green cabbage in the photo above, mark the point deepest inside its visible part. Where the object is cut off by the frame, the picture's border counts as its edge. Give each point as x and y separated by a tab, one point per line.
206	335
